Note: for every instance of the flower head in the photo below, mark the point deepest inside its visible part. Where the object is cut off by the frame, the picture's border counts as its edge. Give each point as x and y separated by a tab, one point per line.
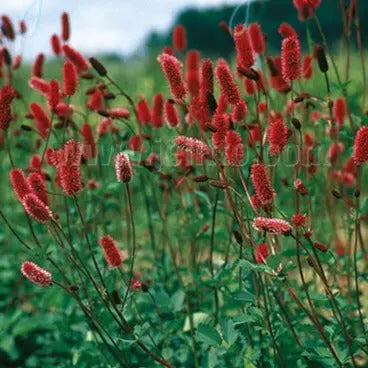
36	274
272	225
123	168
113	256
262	184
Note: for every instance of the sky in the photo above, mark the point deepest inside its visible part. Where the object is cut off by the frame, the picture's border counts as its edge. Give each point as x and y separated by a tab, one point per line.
97	25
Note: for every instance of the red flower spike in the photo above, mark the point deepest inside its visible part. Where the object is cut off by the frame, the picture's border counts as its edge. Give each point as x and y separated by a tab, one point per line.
54	96
206	80
182	159
70	179
179	38
104	126
157	110
277	136
89	149
20	183
37	68
55	44
192	145
243	46
118	113
123	168
272	225
339	110
239	112
70	79
262	184
229	88
7	27
41	119
136	143
300	187
143	111
75	58
172	68
306	8
307	67
221	123
65	27
299	220
257	38
38	185
234	149
286	30
291	59
112	254
39	85
95	101
17	62
261	253
249	86
35	208
6	97
360	153
171	114
36	274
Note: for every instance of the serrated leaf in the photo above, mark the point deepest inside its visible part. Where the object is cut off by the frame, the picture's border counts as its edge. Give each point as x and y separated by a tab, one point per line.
209	335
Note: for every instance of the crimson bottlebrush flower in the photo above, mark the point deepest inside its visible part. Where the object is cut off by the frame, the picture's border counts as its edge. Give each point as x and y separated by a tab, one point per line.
261	253
222	104
290	59
55	44
123	168
262	184
36	274
39	85
7	95
334	150
206	80
104	126
70	78
192	60
286	30
35	164
38	185
249	86
272	225
72	153
262	107
171	114
234	149
255	202
17	62
307	67
41	119
360	153
179	38
65	27
277	136
256	38
37	68
277	81
193	82
136	143
243	46
95	101
339	110
118	112
113	256
20	183
299	219
254	135
221	123
306	8
89	145
143	111
168	50
64	111
35	208
157	110
75	58
239	112
54	96
50	156
172	68
229	88
182	159
192	145
7	27
300	187
350	167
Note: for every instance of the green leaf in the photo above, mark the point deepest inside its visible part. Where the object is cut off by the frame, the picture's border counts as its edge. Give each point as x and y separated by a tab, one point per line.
209	335
228	331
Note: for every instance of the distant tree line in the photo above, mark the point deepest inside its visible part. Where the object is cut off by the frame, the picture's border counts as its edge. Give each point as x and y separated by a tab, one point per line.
205	35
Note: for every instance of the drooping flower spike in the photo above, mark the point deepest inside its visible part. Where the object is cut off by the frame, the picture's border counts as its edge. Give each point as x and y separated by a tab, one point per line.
36	274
